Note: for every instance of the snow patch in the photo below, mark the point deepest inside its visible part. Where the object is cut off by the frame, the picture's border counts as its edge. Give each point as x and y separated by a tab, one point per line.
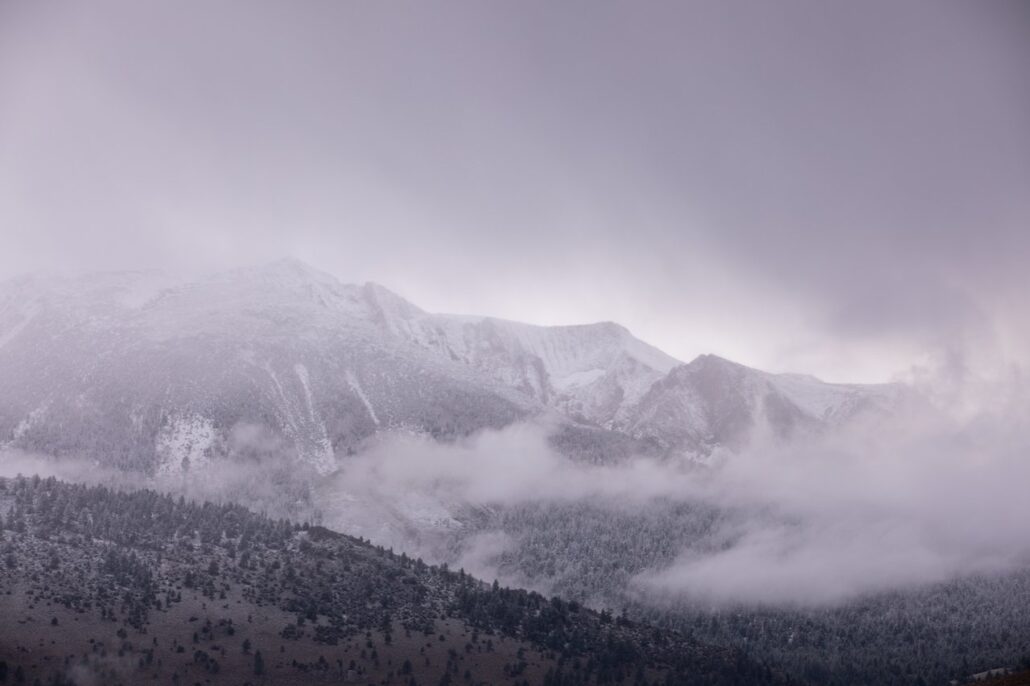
29	421
183	444
27	316
578	379
320	454
305	383
356	387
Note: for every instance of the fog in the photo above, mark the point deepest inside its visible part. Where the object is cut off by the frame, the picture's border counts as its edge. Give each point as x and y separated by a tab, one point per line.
930	494
503	467
15	463
259	470
877	508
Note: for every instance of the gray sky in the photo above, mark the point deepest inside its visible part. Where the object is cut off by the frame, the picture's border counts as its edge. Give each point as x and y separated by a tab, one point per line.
834	187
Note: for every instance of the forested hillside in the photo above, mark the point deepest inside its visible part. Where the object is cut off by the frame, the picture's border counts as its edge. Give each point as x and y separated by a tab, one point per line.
594	552
100	586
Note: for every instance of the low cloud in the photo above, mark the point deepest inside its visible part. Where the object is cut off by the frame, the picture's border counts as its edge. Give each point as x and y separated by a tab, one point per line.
504	467
258	470
934	492
925	496
15	462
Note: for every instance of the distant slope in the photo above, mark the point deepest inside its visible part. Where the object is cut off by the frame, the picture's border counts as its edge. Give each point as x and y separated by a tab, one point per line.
105	587
143	372
591	372
182	376
712	402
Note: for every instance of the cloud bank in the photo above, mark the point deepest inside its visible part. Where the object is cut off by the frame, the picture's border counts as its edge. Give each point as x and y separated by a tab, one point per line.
927	495
934	492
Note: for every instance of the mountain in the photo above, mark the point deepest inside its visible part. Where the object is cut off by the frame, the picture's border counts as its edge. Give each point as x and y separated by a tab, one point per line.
141	371
100	586
281	388
712	402
161	379
591	373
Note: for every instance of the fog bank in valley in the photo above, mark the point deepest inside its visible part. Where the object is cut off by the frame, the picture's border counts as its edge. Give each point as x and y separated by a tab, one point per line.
934	492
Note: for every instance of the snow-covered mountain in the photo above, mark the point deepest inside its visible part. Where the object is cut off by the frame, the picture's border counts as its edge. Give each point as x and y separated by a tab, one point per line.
713	402
591	372
279	357
143	371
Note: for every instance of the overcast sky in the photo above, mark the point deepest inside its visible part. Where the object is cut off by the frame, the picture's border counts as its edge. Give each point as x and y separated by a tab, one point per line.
841	188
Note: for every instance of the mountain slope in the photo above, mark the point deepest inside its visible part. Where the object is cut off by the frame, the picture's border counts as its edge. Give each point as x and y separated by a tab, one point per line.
141	587
140	371
712	402
590	372
182	375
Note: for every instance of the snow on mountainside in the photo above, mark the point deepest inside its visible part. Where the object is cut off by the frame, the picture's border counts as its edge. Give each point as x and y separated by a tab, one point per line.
590	372
280	358
143	371
713	402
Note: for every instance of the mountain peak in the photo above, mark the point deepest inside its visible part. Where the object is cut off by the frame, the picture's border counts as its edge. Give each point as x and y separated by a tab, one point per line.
710	361
291	267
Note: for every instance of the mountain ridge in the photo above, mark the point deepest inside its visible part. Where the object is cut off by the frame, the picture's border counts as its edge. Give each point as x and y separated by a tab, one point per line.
140	368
